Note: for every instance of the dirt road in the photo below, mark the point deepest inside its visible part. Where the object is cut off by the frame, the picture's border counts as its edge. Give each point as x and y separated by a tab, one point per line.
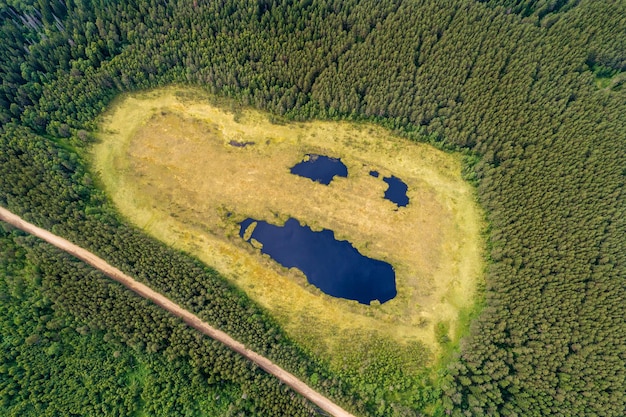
189	318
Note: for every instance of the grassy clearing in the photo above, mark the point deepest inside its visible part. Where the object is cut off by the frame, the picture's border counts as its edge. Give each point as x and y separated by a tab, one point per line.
166	160
608	79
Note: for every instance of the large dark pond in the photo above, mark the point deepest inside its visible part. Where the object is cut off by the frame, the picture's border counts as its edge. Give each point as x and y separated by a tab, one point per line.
396	192
320	168
333	266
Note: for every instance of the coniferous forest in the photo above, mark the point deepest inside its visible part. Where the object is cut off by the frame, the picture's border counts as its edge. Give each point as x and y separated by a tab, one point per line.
532	92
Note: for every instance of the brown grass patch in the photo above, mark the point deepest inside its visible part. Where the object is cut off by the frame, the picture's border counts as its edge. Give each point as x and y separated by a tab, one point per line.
168	164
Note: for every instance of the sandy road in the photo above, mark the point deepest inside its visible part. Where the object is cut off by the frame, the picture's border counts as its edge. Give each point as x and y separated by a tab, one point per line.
189	318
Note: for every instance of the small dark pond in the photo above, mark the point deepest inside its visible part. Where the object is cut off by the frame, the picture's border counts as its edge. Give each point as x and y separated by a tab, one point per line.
320	168
374	174
396	193
333	266
240	144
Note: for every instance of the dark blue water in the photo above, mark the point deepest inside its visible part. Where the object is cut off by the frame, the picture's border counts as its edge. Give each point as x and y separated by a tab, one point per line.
396	193
333	266
320	168
374	174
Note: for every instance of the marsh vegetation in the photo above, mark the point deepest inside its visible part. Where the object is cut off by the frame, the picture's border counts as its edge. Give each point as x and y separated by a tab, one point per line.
169	167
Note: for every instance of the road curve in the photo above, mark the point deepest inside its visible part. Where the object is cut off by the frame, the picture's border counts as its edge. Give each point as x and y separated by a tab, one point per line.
189	318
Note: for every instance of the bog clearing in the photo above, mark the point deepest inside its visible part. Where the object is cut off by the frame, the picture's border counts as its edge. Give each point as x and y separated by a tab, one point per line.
188	168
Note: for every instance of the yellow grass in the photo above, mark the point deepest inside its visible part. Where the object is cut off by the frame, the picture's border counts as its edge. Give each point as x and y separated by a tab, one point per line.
166	161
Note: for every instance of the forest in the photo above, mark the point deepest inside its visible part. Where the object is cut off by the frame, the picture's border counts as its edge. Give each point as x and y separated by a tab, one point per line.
531	91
